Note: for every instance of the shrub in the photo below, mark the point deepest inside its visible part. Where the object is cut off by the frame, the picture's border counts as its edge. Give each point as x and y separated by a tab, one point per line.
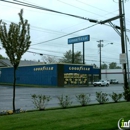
116	97
83	99
40	101
64	101
126	94
101	97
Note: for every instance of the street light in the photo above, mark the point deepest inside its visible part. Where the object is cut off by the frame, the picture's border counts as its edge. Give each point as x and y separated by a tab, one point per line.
35	53
100	45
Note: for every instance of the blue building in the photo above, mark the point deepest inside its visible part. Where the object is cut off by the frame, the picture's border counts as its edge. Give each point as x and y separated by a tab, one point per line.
50	75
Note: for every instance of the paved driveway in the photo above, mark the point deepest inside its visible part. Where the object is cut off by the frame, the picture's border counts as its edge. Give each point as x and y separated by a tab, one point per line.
23	95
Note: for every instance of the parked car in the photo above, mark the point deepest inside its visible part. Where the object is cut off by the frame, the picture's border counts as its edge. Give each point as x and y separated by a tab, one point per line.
114	81
101	83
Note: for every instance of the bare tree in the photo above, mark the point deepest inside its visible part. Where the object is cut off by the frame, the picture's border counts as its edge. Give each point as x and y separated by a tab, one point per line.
49	59
16	41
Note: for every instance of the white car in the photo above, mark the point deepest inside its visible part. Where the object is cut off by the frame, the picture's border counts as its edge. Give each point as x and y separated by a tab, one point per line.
101	83
114	81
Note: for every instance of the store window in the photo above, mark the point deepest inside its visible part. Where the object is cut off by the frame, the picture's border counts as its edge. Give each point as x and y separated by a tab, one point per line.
75	79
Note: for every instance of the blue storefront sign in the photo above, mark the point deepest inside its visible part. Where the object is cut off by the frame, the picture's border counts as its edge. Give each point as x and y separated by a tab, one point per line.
79	39
82	69
77	69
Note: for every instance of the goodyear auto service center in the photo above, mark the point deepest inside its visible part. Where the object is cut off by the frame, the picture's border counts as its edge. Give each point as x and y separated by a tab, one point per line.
53	74
50	75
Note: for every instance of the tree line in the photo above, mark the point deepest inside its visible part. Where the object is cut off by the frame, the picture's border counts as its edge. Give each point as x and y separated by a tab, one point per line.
78	59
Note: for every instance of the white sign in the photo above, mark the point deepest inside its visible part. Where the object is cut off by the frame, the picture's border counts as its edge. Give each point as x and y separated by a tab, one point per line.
123	58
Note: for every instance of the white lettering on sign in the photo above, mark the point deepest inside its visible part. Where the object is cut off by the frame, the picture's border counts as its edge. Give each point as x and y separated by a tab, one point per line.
80	68
78	39
43	68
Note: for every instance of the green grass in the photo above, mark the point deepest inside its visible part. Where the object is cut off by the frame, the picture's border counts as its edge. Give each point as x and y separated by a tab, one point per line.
94	117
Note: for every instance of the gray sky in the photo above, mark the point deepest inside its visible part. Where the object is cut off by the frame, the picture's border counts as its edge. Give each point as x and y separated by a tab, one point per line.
47	25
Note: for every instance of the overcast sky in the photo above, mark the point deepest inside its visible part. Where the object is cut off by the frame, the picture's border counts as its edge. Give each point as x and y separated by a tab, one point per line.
46	26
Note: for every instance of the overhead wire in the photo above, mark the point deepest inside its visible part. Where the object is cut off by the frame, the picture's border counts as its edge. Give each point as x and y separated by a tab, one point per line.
42	8
78	7
37	7
65	35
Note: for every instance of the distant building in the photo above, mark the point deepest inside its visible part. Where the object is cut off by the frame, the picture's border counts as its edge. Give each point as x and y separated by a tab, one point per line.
6	63
113	74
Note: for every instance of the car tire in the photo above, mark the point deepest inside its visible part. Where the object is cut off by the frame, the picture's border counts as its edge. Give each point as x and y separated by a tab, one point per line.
107	85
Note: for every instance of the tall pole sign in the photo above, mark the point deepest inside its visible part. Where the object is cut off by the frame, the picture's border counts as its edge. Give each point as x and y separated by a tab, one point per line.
78	40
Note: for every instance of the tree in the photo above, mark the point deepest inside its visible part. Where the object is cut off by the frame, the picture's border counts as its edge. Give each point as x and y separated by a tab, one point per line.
94	65
118	67
49	59
68	57
113	65
16	41
1	57
104	66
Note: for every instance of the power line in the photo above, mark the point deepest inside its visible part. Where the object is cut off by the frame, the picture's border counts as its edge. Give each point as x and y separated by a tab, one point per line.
78	8
64	35
42	8
92	6
37	7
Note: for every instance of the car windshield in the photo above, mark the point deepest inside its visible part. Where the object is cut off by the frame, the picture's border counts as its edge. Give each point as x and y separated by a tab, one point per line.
113	79
101	80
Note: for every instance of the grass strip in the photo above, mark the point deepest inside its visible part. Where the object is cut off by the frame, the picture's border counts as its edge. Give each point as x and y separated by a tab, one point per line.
94	117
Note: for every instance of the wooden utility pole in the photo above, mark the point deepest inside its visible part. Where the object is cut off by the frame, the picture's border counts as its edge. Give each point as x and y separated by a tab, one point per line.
100	58
122	27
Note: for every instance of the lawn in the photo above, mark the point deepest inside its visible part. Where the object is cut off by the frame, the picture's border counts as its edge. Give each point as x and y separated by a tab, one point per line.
93	117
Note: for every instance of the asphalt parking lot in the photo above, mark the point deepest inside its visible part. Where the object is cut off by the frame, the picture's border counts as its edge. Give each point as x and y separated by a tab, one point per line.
24	101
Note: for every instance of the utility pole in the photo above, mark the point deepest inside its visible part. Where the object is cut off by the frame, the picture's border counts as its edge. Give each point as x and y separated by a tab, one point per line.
83	54
100	56
72	53
122	27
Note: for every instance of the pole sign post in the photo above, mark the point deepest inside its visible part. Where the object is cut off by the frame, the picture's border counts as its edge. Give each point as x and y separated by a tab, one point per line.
123	58
79	39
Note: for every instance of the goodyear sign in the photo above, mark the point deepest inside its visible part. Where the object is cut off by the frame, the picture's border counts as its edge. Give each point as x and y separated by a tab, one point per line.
78	69
79	39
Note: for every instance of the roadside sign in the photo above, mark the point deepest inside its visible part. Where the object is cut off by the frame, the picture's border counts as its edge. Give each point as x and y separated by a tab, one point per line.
123	58
79	39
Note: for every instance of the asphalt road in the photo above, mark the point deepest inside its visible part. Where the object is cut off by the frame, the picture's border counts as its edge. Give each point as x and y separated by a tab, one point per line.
24	101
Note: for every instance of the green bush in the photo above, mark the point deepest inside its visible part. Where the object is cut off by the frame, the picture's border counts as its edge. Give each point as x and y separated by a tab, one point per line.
116	97
126	94
40	101
64	101
83	99
101	97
